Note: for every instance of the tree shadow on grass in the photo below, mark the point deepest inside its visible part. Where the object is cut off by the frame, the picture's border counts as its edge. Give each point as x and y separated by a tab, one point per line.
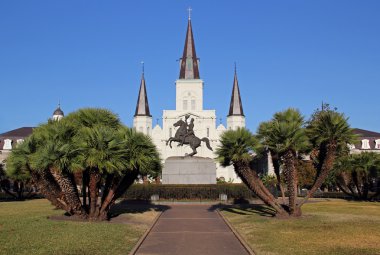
135	206
251	209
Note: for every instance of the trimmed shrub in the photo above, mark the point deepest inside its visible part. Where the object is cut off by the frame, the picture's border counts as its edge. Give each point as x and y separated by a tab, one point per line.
188	192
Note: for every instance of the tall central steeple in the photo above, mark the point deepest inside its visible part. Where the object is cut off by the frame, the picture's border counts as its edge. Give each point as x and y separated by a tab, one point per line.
189	61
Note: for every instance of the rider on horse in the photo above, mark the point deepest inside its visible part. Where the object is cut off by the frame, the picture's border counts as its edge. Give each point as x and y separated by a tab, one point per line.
190	130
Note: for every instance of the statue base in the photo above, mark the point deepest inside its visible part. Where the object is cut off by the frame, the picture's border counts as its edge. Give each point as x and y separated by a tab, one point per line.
189	170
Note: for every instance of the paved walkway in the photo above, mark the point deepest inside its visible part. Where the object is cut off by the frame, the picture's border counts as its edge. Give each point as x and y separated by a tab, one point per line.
191	229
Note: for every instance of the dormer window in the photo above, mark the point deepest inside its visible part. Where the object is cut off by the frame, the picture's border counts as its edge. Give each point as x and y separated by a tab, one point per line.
7	144
365	144
20	141
377	144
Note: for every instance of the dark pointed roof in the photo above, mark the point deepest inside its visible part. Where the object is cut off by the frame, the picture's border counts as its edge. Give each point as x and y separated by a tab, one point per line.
189	61
236	107
142	107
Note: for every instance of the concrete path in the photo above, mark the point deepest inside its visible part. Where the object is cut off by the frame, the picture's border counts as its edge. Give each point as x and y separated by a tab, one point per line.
191	229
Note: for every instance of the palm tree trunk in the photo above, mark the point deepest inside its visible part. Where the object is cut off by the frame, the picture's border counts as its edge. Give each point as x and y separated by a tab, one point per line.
252	180
327	165
276	165
94	192
50	189
84	189
365	182
70	191
291	180
356	182
343	185
117	190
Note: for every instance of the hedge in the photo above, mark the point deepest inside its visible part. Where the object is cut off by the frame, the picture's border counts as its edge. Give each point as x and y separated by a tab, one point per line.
188	192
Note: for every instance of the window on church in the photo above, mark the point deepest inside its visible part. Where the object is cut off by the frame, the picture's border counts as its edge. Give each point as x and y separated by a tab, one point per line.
192	104
170	132
208	132
365	144
147	130
141	129
185	104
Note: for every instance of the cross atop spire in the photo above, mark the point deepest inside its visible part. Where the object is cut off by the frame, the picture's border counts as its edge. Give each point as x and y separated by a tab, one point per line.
236	107
189	61
142	107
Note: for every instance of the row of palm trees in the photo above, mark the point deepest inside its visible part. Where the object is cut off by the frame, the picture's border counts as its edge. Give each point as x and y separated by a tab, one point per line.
287	136
92	149
88	148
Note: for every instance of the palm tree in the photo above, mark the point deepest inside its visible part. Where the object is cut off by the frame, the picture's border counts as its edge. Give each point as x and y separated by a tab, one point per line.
141	157
101	154
235	148
285	136
18	167
56	153
94	145
355	173
329	133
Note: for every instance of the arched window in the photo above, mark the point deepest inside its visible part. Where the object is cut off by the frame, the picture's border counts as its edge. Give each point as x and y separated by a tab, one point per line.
185	104
208	132
170	132
147	130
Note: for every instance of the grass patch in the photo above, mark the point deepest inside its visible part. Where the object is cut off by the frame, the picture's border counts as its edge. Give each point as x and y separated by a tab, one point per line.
328	227
25	229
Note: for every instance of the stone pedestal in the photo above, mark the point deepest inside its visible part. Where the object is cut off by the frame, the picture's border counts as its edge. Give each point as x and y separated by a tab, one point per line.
189	170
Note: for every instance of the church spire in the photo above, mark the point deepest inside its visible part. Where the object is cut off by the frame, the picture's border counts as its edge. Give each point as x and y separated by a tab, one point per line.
189	61
142	107
236	107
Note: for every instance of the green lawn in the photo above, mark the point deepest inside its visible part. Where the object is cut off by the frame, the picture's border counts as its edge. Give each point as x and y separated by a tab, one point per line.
25	229
328	227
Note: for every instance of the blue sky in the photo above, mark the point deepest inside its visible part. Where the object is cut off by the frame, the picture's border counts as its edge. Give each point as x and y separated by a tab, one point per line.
288	53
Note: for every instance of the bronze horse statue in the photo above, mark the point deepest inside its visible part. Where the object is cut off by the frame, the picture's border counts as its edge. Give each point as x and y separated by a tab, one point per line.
193	141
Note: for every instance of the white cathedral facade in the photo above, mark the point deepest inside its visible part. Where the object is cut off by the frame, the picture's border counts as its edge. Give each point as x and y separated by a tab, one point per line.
189	101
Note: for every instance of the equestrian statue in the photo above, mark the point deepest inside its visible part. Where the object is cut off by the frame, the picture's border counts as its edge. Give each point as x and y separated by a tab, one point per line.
185	135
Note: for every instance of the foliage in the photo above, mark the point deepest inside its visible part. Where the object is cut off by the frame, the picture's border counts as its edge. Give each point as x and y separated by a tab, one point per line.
236	146
191	192
91	146
269	180
284	132
358	174
306	173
